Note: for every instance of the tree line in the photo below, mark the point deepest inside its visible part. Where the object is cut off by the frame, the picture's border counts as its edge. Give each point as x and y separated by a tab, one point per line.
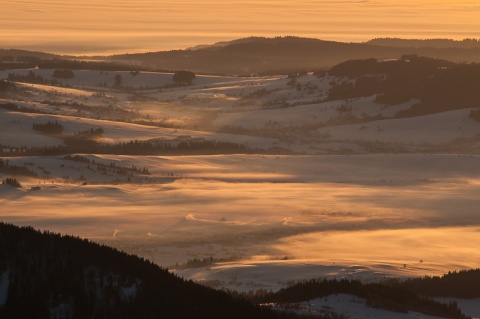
15	170
392	294
439	85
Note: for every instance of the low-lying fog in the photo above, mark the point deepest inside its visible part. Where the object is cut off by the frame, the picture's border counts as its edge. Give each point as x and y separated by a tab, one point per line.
391	215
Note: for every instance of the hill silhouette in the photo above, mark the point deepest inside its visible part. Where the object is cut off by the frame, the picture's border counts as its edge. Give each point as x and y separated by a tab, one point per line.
46	275
258	55
425	43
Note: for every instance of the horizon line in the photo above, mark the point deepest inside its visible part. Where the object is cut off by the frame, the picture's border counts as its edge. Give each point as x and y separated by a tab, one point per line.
193	47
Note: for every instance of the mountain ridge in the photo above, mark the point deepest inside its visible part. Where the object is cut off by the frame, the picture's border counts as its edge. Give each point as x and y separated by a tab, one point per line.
281	55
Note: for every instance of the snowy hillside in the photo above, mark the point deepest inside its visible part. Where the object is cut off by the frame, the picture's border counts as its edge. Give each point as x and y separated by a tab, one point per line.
245	183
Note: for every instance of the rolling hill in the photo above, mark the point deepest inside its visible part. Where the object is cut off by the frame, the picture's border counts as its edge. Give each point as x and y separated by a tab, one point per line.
46	275
282	55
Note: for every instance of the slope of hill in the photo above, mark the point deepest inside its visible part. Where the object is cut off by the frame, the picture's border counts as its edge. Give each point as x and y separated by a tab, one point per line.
52	276
398	296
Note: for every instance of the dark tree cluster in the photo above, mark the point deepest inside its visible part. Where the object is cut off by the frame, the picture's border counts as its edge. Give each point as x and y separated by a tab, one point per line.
12	182
49	127
390	295
184	77
462	284
117	80
364	85
149	148
112	167
84	139
439	85
31	77
7	168
63	74
6	86
16	108
97	132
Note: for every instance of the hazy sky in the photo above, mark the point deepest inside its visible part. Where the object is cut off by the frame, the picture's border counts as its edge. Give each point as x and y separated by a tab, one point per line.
114	26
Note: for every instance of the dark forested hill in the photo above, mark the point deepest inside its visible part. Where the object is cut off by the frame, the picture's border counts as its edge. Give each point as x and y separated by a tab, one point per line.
399	296
439	85
45	275
11	55
284	54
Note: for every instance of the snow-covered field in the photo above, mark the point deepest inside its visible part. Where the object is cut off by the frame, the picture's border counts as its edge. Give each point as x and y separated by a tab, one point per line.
401	204
353	307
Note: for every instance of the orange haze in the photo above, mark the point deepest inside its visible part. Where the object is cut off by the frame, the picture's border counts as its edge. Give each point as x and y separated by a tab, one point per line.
115	26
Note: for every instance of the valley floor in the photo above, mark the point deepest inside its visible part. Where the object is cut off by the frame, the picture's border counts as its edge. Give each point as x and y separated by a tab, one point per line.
270	220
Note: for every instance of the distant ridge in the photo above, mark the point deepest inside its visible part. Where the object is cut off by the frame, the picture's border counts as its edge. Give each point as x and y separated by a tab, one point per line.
23	53
281	55
259	55
426	43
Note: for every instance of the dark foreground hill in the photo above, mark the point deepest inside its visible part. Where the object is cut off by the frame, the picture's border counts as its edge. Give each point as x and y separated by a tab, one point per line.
45	275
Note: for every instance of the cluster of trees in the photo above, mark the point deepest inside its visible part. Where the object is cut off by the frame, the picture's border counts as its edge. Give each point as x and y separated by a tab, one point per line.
135	148
48	272
439	85
117	80
95	132
121	170
462	284
84	139
31	77
63	74
7	168
138	148
49	128
149	148
184	77
390	294
13	107
6	86
110	111
12	182
364	85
